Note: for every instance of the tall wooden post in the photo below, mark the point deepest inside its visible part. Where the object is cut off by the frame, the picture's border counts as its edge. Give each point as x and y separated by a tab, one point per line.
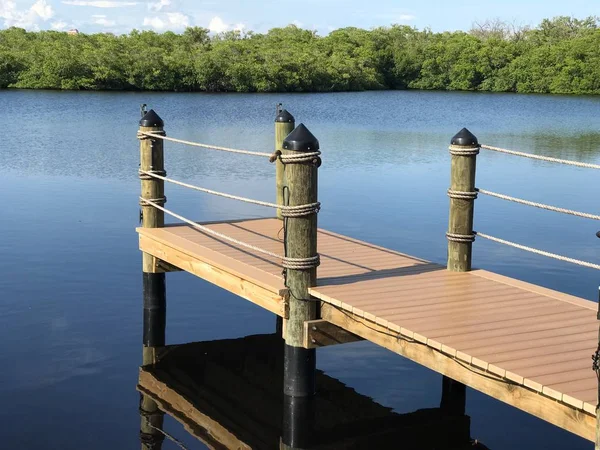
464	149
284	125
154	288
300	242
153	278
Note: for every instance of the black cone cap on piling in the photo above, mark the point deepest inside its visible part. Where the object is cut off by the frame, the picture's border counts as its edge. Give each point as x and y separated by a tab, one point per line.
464	137
151	119
284	116
301	140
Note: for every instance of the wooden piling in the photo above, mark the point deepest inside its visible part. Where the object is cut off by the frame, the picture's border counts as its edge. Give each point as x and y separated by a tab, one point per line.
154	290
300	242
464	149
153	277
284	125
300	232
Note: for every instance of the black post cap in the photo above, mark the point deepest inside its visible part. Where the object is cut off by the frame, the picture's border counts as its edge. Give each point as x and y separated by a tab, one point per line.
151	119
301	140
464	137
284	116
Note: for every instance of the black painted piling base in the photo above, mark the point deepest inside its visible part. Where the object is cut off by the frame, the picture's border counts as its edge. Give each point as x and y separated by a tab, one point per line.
299	369
155	309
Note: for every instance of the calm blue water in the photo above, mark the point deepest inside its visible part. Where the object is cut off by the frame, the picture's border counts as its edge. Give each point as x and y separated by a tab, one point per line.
70	309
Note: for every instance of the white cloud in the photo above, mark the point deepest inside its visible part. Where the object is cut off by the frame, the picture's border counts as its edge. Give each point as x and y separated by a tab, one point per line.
217	25
30	18
99	4
172	21
154	22
42	9
58	25
160	4
105	22
99	16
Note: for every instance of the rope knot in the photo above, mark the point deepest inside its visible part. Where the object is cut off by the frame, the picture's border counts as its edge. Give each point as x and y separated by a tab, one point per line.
143	135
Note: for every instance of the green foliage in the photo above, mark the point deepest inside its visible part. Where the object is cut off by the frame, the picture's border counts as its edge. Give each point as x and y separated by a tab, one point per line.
561	55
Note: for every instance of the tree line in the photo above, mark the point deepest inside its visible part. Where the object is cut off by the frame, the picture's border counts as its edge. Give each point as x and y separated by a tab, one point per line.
560	55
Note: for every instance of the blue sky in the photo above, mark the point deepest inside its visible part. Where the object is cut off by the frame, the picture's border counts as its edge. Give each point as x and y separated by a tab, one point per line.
260	15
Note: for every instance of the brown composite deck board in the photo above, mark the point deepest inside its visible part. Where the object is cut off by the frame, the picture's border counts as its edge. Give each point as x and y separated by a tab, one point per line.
537	337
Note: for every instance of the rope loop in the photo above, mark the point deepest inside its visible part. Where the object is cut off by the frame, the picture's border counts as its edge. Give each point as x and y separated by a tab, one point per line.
459	150
149	201
300	263
149	174
142	135
300	211
463	195
310	157
454	237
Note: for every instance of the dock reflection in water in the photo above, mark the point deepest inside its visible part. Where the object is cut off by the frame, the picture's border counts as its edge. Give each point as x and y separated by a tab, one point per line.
229	395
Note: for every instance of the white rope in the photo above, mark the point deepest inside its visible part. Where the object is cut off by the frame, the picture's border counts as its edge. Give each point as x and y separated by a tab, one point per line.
288	263
540	205
287	211
542	158
208	146
301	157
539	252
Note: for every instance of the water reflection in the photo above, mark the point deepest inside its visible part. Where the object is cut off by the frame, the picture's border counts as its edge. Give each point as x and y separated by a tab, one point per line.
229	394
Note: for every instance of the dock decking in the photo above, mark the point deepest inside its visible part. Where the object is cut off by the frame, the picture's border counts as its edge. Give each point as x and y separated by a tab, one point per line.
525	345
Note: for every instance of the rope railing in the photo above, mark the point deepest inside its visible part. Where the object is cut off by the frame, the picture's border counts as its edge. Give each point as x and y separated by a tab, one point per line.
538	205
538	252
541	158
146	134
286	262
272	157
287	211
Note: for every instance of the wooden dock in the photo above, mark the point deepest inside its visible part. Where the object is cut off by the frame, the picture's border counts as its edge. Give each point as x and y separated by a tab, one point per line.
530	347
525	345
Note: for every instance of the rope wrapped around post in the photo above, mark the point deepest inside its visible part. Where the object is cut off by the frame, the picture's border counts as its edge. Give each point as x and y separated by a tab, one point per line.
464	149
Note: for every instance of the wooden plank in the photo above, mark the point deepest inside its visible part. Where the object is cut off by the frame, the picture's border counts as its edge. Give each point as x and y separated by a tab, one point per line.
562	415
232	282
320	333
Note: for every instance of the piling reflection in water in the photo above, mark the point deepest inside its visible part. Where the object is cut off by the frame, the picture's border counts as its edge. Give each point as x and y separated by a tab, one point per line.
229	395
